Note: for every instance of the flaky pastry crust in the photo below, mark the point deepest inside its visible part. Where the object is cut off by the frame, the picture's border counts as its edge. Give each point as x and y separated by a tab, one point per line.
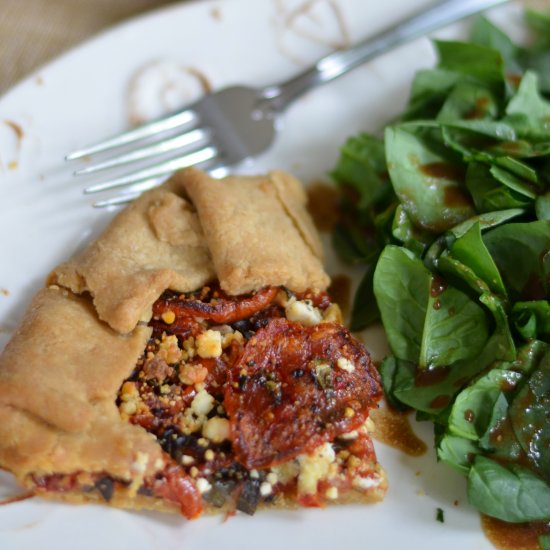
258	231
59	377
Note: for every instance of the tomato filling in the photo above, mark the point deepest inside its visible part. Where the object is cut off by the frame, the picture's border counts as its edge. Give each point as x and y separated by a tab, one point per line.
172	484
280	379
253	398
285	399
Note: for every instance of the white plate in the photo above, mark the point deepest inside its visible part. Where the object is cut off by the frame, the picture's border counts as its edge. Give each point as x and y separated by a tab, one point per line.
142	67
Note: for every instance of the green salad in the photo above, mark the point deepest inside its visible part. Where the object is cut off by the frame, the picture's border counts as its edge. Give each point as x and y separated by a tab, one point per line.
449	211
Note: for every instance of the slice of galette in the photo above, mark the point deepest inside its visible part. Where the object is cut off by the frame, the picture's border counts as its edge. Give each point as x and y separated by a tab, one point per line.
191	359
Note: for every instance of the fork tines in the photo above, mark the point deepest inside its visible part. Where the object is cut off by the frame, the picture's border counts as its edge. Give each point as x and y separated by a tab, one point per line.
186	138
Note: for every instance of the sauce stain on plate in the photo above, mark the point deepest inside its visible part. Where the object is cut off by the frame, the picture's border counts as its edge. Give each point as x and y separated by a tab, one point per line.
302	24
394	429
340	291
163	86
323	200
513	536
10	142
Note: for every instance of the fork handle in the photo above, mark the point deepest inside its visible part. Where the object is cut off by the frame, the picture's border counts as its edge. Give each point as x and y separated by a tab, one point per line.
342	61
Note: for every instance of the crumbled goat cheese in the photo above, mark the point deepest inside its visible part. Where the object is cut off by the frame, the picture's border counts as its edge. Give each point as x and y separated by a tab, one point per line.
286	472
345	364
366	483
189	348
266	489
202	403
230	337
303	312
272	478
315	467
203	486
216	429
209	344
209	455
350	435
369	425
332	314
192	374
191	422
169	349
128	407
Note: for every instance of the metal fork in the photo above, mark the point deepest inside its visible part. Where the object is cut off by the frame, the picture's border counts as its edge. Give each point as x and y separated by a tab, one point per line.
236	123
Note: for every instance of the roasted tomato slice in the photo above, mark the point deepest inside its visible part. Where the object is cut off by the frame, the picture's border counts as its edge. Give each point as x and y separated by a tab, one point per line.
294	388
216	307
178	488
182	326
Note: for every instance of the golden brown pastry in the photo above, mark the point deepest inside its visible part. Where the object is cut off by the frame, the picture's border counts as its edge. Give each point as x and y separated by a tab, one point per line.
190	358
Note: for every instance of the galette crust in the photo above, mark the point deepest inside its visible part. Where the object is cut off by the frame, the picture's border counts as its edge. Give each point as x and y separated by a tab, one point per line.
258	231
59	377
154	244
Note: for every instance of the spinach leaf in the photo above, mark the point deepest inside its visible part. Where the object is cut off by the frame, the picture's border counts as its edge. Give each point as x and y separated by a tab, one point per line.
429	391
542	206
532	319
457	452
521	253
362	167
455	327
544	542
528	112
460	275
414	238
483	32
529	416
518	168
501	343
529	356
428	184
540	22
432	390
471	251
510	493
428	92
488	193
494	129
468	101
365	309
353	244
520	148
401	285
537	57
487	220
388	369
429	325
472	410
492	438
483	63
499	441
513	182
